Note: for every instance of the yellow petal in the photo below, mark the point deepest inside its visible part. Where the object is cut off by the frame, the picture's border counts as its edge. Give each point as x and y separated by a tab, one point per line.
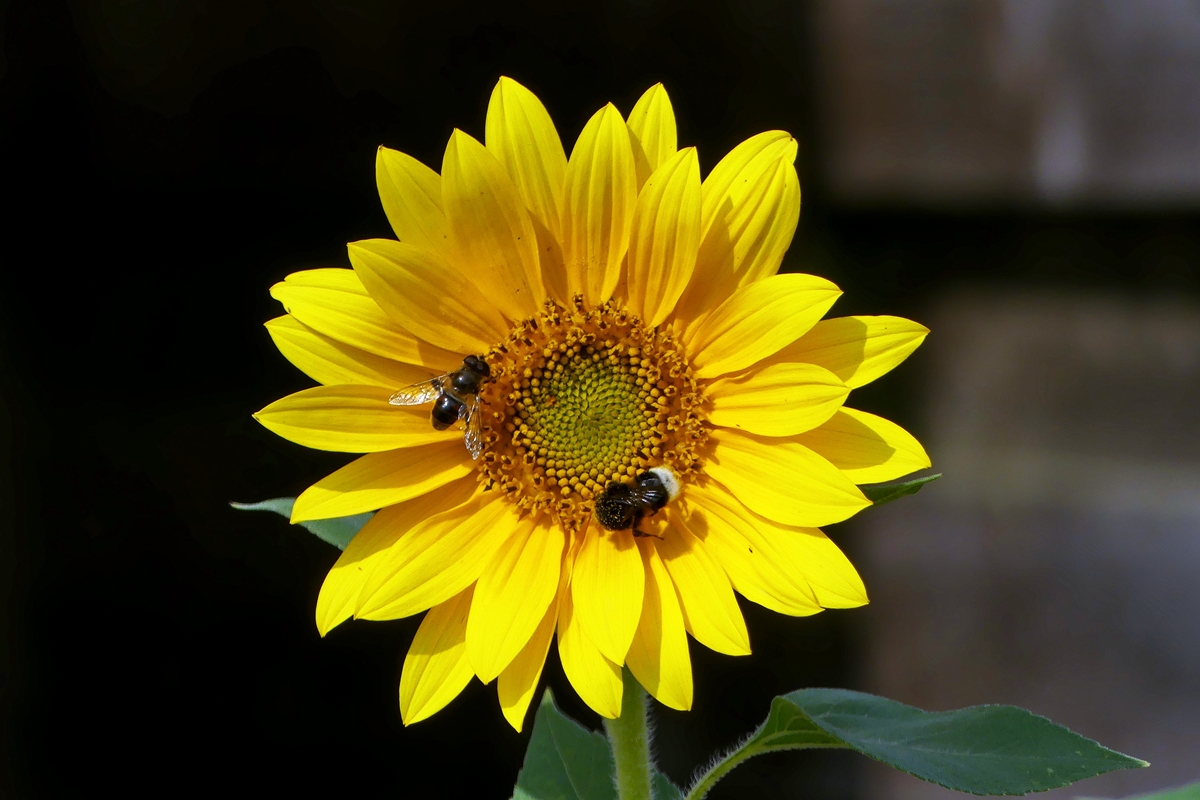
339	592
710	610
782	479
437	558
797	564
664	238
334	302
659	657
758	320
596	680
724	529
381	479
412	199
491	235
518	682
429	299
353	418
866	448
751	203
436	669
856	349
731	178
779	400
331	362
600	194
606	588
652	131
522	137
514	591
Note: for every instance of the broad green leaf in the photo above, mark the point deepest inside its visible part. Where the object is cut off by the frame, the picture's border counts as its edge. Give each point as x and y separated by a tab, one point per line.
663	788
1189	792
338	531
565	761
987	750
882	493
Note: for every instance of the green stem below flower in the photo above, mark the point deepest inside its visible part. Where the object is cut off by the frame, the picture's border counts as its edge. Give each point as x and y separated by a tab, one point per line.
630	739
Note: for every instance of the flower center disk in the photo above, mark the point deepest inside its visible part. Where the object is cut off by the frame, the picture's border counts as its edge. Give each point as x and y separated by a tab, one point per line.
580	398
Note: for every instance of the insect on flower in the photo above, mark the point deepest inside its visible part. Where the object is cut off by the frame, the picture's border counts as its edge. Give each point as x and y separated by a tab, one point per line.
621	507
455	396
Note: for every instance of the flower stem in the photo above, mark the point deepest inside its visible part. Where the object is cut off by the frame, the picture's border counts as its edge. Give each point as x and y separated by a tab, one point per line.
630	739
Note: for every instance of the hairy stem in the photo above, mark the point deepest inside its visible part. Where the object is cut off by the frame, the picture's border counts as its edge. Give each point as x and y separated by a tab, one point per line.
630	740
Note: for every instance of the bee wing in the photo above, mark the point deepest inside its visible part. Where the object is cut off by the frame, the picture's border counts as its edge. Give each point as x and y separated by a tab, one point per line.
473	435
419	393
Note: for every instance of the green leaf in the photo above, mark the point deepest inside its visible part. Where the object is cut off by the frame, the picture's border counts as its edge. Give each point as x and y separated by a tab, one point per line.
987	750
663	788
1189	792
338	531
565	761
882	493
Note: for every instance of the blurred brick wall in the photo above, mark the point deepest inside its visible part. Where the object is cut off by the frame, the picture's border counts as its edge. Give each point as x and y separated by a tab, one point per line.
1056	565
1010	101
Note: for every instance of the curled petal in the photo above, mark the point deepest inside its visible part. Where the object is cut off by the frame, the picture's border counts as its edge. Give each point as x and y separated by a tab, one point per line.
751	204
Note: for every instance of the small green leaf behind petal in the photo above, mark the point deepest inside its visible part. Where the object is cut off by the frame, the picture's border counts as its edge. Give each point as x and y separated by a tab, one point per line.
566	761
983	750
882	493
337	532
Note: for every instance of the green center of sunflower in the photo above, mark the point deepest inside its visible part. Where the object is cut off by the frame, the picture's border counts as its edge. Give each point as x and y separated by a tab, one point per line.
580	398
585	411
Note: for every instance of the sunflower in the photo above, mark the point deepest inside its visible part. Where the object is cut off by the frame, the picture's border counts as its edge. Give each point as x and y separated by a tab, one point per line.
631	317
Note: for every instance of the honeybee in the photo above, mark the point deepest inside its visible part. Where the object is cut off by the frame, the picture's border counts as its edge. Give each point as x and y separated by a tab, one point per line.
455	396
621	507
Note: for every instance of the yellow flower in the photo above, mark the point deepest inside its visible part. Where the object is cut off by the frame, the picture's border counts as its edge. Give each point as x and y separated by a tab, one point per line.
631	317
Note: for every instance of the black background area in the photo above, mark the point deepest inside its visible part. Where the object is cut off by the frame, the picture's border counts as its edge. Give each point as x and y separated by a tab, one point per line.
164	163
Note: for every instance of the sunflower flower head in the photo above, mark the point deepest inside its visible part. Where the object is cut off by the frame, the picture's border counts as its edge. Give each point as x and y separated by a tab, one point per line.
631	317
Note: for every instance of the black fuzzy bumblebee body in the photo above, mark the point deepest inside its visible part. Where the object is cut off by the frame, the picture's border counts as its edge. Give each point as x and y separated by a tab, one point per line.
455	396
622	506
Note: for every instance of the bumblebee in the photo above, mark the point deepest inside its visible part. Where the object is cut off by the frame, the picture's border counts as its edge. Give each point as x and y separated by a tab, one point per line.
622	507
455	396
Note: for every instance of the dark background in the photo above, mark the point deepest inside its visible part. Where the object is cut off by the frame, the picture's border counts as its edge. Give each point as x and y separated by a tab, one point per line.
166	162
